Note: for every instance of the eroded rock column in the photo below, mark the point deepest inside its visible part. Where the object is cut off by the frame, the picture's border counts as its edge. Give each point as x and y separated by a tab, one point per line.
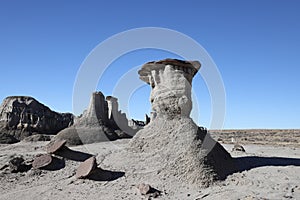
113	106
170	80
187	151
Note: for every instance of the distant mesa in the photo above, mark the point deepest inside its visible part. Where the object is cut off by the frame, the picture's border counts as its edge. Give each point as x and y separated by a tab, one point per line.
23	116
102	121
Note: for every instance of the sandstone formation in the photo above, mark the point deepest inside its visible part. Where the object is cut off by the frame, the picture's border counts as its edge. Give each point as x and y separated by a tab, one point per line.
102	121
185	150
22	116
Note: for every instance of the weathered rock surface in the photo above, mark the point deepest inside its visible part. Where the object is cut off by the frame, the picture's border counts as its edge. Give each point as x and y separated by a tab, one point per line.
41	161
102	121
86	167
186	150
22	116
171	85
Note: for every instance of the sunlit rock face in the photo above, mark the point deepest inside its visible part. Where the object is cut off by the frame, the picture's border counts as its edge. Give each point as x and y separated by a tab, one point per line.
22	116
97	112
171	81
102	121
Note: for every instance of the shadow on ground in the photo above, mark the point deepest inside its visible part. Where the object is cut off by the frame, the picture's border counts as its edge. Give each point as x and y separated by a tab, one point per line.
73	155
250	162
56	164
105	175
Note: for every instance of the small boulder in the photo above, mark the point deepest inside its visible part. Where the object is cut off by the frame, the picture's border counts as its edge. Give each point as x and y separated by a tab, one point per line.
148	191
55	146
85	168
16	164
238	147
41	161
6	138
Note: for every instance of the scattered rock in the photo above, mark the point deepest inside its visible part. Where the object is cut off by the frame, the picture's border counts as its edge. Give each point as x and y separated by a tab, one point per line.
238	147
17	164
6	138
41	161
288	195
144	188
147	190
85	168
55	146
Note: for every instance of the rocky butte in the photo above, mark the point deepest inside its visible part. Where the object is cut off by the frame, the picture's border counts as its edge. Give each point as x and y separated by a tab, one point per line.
184	150
23	116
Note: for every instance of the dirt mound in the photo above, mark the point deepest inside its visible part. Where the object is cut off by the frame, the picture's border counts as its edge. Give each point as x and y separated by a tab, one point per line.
185	151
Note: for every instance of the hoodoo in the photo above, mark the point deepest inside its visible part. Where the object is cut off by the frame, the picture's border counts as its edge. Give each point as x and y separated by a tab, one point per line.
186	150
102	121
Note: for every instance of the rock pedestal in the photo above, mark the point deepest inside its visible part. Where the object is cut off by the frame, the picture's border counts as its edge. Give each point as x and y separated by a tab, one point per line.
185	150
170	81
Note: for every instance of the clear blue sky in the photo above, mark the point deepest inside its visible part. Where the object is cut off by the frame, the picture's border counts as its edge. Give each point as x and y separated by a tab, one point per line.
255	44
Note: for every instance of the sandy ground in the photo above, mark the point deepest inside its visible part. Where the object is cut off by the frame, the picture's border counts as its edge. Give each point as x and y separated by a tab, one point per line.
274	137
267	172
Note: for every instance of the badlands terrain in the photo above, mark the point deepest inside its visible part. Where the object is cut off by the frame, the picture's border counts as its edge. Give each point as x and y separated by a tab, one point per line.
267	172
103	155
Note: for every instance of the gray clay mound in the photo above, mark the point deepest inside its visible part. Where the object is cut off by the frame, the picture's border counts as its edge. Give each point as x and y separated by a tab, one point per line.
183	152
86	135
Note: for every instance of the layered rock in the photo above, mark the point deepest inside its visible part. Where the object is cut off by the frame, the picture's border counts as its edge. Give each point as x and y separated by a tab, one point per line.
185	150
102	121
170	80
22	116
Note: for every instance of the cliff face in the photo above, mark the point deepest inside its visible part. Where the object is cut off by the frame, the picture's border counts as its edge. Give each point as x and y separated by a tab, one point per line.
21	116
